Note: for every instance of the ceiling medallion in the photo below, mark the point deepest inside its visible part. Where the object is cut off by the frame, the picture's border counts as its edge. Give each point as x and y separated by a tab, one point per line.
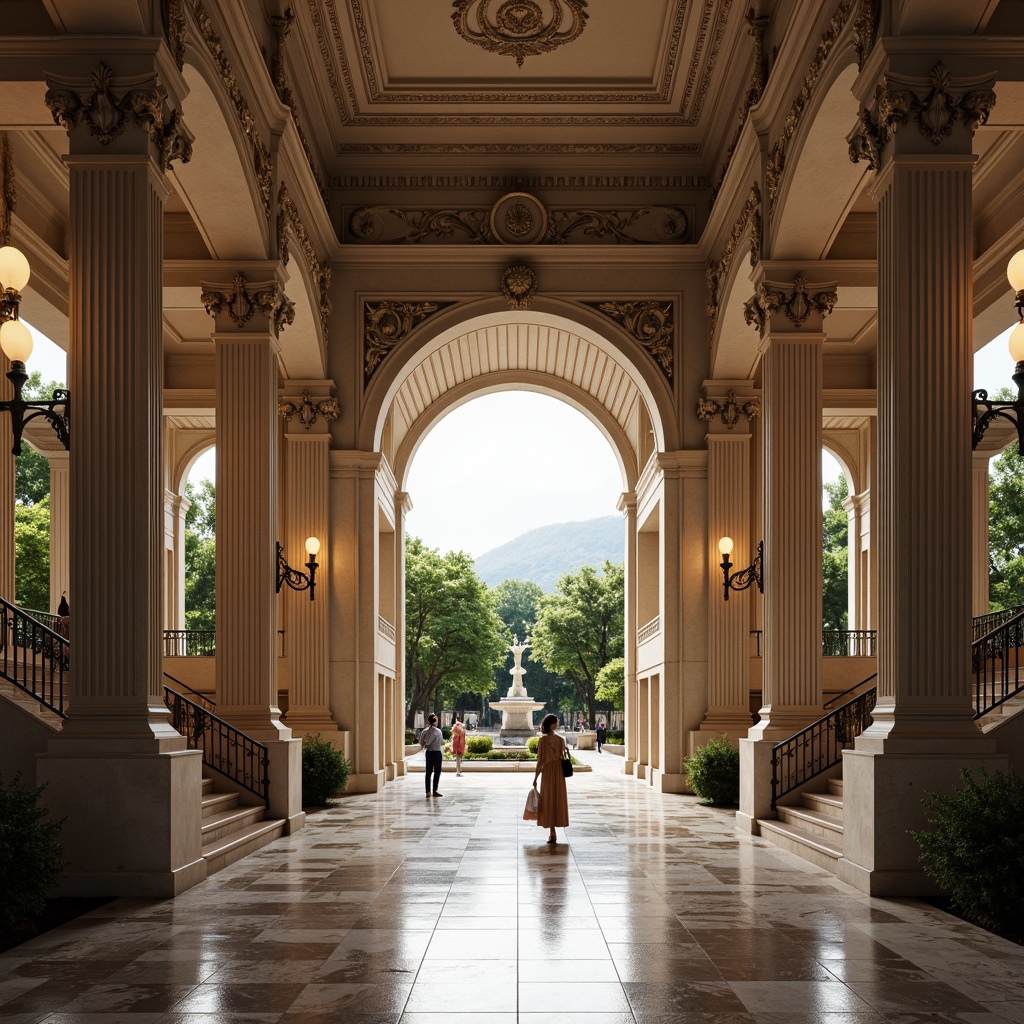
518	26
519	219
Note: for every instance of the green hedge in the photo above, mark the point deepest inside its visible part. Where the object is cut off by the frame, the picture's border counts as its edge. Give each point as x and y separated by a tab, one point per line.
478	745
324	771
714	772
532	744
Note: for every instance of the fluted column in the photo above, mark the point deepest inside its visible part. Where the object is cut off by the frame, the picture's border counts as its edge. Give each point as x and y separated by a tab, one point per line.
7	467
923	732
979	533
60	513
403	506
307	445
118	770
730	420
627	506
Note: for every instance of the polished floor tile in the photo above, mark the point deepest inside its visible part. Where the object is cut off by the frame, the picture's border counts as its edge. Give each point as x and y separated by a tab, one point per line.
651	909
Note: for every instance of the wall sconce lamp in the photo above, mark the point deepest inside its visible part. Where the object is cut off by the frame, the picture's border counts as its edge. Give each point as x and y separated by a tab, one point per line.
16	342
1012	411
295	578
742	578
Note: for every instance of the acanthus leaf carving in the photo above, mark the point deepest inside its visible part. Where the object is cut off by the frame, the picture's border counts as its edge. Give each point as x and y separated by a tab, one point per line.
519	28
288	217
797	302
728	411
518	285
309	410
386	324
865	29
717	271
649	322
241	300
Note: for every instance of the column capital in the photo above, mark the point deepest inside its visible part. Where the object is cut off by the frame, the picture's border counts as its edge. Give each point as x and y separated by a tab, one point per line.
627	504
726	405
403	502
787	304
234	304
307	406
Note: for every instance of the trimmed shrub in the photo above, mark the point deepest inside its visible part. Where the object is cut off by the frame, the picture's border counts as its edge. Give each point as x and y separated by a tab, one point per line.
31	857
975	851
446	732
532	744
616	736
411	737
324	771
714	772
478	745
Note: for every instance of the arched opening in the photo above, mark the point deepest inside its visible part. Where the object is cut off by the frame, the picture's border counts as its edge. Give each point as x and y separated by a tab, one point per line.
835	553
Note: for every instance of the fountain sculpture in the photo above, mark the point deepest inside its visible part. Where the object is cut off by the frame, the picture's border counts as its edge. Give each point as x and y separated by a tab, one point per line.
518	707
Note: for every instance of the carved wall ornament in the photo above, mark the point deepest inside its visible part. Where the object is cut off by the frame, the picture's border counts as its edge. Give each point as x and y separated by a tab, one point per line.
288	217
936	104
729	411
8	188
519	28
520	219
773	297
865	30
241	300
776	162
757	25
309	410
518	285
386	323
176	30
261	162
650	322
717	272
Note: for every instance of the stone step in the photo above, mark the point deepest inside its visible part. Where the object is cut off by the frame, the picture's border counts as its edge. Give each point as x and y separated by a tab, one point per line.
815	849
215	803
835	786
816	822
223	824
220	853
825	803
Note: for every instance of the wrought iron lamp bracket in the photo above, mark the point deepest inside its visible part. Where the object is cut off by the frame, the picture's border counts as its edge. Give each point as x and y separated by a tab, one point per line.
296	579
742	579
23	411
1012	411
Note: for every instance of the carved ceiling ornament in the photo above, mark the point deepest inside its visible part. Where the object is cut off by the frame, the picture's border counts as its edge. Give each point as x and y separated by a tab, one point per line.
936	103
650	322
386	323
518	285
261	161
797	301
776	163
865	30
520	219
176	31
717	272
8	188
288	217
519	28
729	411
242	299
309	410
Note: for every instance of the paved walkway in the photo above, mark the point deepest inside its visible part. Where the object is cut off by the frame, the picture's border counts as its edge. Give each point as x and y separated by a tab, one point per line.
393	909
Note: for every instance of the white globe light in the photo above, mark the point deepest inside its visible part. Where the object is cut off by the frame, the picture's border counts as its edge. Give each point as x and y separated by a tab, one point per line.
16	341
312	546
725	546
1015	271
1016	343
14	268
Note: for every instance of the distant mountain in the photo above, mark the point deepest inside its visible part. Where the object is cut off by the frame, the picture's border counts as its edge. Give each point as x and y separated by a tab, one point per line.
549	552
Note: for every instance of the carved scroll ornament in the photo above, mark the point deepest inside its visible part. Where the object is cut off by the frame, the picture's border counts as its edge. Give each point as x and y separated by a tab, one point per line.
241	300
649	322
385	324
288	217
519	28
717	272
728	411
518	285
797	304
308	410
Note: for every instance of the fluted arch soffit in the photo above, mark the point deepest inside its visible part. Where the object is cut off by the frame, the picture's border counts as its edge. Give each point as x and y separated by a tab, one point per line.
531	350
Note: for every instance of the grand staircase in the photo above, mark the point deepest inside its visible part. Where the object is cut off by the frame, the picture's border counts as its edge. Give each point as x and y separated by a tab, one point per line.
34	687
807	784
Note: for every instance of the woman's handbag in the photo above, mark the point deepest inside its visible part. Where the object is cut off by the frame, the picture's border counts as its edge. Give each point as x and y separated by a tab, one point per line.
532	811
566	763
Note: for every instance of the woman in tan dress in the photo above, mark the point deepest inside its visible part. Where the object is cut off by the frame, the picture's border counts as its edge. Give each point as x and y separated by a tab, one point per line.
554	802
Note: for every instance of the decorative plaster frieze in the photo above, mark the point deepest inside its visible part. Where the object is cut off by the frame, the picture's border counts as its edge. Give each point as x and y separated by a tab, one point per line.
503	183
865	30
176	31
529	149
797	301
776	163
716	272
936	104
241	300
519	28
518	285
8	188
729	410
308	410
107	105
387	323
649	322
288	217
261	160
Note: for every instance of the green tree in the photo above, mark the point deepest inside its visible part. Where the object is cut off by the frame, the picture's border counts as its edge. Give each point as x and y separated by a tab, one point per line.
201	556
834	557
32	555
611	684
1006	527
453	636
580	628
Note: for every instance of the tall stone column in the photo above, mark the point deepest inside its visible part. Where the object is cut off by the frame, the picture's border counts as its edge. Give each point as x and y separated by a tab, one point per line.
789	312
308	409
917	131
979	533
60	518
249	315
403	506
176	508
729	416
627	506
118	771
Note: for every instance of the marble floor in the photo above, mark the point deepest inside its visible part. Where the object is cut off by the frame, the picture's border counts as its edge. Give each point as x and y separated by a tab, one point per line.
398	910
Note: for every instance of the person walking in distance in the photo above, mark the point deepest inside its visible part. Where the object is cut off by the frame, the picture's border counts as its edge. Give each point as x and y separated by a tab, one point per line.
554	801
602	732
431	740
458	742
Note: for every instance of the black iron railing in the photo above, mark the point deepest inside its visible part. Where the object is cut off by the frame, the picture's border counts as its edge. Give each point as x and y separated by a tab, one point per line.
207	702
850	689
820	746
34	658
190	643
982	624
46	618
835	643
225	750
997	664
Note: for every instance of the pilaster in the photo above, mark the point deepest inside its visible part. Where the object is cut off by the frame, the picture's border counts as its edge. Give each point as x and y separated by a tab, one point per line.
176	508
979	533
627	506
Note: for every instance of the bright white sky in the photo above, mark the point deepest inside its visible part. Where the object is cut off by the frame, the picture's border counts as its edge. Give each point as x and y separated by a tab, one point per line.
506	463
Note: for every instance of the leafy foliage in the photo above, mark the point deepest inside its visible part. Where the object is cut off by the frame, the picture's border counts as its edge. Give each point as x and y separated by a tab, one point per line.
580	628
325	771
714	772
453	638
975	851
532	744
32	555
834	557
611	684
31	858
201	556
478	745
1006	528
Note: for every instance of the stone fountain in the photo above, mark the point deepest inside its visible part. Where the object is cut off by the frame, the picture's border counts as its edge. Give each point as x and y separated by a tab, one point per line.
518	706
